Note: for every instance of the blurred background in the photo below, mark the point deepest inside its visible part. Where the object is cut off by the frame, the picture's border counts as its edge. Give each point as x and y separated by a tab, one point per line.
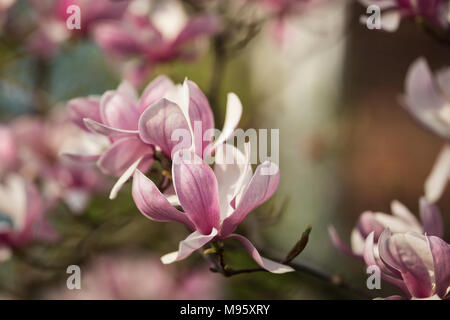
331	87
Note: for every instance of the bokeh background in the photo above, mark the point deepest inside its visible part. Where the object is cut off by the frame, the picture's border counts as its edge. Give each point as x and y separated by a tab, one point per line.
346	146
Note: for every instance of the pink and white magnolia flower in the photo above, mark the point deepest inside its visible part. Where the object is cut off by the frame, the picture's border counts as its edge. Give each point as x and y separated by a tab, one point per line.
401	221
138	277
153	32
22	217
427	99
136	127
417	264
432	11
215	201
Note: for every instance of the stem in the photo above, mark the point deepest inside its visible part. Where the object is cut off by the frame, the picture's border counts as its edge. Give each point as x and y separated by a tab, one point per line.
218	72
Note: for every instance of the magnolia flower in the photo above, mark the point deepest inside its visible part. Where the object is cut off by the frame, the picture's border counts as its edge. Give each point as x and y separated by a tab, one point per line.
401	221
214	203
51	17
417	264
21	214
153	32
433	11
137	277
135	127
427	99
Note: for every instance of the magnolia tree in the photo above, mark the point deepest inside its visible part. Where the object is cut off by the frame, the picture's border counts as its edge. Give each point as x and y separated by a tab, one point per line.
75	174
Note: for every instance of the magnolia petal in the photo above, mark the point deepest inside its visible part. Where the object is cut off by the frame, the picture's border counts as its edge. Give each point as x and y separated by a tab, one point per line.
193	242
196	187
261	187
422	99
438	178
339	244
441	261
232	117
196	27
264	263
368	223
399	210
108	131
164	124
431	218
118	110
80	108
154	91
233	172
122	154
406	252
153	204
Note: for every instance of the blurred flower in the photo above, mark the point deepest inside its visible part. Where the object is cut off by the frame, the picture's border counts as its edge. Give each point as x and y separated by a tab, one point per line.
135	127
280	12
214	202
51	17
401	221
433	12
417	264
40	144
5	5
21	214
140	277
153	32
427	99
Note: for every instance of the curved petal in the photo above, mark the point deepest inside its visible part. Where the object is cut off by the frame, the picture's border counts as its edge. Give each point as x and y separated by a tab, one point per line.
261	187
441	260
409	254
399	210
153	204
122	154
431	218
264	263
371	260
164	124
368	223
423	98
196	27
438	178
196	187
111	37
108	131
80	108
232	117
233	172
339	244
193	242
154	91
118	110
200	114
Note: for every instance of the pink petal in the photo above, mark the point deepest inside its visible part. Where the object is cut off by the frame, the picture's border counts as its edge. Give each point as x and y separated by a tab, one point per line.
441	260
258	191
405	258
81	108
264	263
112	38
196	187
198	26
153	204
339	244
122	154
154	91
193	242
199	112
119	111
159	122
108	131
423	98
367	223
431	218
